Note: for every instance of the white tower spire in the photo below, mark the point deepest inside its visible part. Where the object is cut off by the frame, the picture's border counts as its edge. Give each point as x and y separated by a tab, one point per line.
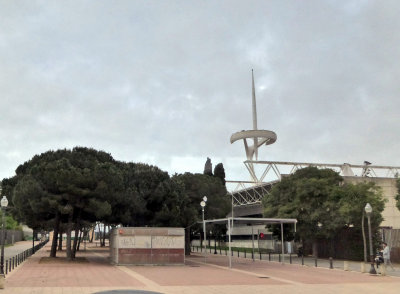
254	107
260	137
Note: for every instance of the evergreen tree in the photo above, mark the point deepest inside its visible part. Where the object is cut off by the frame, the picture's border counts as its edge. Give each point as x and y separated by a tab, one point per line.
219	172
208	167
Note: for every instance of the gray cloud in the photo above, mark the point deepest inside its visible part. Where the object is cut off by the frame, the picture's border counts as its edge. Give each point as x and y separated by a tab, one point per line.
168	82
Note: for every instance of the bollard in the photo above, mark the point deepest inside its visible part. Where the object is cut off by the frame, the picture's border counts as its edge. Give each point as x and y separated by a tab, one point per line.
383	269
290	258
9	264
346	265
330	263
2	281
6	266
260	256
13	262
220	251
244	253
316	262
362	267
269	256
279	257
302	259
238	252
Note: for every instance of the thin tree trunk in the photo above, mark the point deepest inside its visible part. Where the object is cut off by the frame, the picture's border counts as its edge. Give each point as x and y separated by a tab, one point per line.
104	236
60	240
93	233
77	222
100	234
364	239
53	251
69	231
80	239
91	236
75	244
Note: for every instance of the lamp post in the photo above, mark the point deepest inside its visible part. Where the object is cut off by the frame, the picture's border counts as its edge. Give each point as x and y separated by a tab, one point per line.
4	203
203	204
368	211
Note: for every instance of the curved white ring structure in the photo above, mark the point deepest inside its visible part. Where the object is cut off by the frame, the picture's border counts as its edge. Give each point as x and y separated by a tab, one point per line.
266	137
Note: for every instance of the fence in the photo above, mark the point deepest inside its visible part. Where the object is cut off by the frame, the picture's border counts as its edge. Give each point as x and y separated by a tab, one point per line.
13	262
329	263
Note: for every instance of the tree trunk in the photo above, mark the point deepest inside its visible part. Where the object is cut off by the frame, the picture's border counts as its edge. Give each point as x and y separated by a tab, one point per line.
103	243
60	240
364	239
53	250
75	244
77	222
187	241
91	237
80	239
69	231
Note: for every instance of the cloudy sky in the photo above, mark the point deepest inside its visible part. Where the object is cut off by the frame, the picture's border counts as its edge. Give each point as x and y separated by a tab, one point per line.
168	82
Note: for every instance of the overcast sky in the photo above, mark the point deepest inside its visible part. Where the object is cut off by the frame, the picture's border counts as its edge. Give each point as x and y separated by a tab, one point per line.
168	82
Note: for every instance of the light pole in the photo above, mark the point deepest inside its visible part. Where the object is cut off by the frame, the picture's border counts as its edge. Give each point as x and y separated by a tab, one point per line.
4	203
203	204
368	211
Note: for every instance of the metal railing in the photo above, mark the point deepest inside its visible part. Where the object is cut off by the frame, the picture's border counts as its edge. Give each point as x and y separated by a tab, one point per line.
13	262
293	258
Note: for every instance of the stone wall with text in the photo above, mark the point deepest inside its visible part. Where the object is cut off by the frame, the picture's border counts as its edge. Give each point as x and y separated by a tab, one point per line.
131	245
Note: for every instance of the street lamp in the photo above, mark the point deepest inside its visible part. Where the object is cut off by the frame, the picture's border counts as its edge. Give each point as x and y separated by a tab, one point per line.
368	211
203	204
4	203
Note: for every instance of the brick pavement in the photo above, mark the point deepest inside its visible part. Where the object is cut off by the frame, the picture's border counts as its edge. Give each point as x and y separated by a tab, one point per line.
39	275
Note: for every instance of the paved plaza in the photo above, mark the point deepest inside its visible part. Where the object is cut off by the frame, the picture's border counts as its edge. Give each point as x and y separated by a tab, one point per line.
92	273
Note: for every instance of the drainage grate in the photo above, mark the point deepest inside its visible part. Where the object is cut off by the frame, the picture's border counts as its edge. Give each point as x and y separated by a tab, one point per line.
264	277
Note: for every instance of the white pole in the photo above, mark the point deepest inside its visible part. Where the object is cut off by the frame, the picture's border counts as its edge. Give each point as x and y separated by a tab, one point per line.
232	209
252	241
283	246
204	230
229	241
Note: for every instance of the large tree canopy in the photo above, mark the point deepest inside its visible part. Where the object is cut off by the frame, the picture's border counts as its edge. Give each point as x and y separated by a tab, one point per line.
322	203
68	186
69	189
193	188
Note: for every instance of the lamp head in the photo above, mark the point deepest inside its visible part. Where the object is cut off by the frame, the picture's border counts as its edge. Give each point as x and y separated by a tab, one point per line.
205	198
368	208
202	204
4	201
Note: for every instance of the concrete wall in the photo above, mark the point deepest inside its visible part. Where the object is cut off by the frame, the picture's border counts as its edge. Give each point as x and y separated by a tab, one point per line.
13	236
391	214
147	246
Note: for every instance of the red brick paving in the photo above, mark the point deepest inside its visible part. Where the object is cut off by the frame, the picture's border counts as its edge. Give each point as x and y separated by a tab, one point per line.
298	273
97	272
90	274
